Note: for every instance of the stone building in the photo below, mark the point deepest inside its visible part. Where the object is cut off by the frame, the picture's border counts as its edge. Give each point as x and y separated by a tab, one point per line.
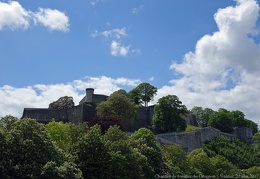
86	110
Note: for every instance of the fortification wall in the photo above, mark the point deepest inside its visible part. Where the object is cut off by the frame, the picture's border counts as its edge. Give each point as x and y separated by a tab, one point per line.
75	114
45	115
98	98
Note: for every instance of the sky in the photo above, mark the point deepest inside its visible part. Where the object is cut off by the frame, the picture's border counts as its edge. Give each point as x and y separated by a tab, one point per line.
205	52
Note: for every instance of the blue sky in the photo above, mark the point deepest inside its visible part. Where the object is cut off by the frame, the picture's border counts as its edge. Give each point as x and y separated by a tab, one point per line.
205	52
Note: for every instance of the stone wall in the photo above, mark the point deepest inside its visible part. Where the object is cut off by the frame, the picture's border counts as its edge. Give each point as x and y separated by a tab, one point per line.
45	115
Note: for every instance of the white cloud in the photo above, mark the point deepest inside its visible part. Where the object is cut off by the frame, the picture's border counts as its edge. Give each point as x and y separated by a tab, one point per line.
116	49
52	19
114	33
137	10
116	36
229	55
13	100
152	78
14	16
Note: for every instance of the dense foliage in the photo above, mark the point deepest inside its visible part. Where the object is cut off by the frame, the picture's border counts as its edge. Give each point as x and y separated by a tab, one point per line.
167	114
142	94
118	106
63	150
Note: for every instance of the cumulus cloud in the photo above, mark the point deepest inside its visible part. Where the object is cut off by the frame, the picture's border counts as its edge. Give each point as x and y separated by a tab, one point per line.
52	19
116	35
224	69
117	49
14	16
13	100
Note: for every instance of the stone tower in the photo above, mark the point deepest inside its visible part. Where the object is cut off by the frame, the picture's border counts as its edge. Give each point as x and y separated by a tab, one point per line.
89	95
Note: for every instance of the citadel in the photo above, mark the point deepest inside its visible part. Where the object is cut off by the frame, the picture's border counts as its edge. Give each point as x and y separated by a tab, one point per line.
86	110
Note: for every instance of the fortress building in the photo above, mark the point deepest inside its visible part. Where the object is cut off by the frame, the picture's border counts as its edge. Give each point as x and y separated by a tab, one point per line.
86	110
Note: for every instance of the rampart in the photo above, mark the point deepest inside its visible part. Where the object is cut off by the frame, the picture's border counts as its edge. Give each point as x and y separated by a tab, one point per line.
194	139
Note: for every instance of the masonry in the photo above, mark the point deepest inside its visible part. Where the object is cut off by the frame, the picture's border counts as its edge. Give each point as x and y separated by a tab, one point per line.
86	110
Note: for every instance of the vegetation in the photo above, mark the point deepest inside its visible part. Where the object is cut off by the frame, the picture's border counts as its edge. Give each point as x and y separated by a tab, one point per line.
167	114
118	106
100	149
143	93
63	150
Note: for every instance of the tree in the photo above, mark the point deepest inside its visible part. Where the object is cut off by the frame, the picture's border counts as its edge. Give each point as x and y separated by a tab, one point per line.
8	120
144	93
222	121
175	158
223	166
239	153
28	148
64	102
92	154
124	158
117	106
200	163
145	142
105	123
167	114
202	115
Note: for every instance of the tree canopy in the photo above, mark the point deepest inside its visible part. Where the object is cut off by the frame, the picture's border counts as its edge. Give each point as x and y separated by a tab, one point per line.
167	114
118	106
143	93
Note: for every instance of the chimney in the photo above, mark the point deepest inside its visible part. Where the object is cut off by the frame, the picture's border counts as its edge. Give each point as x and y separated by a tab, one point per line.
89	95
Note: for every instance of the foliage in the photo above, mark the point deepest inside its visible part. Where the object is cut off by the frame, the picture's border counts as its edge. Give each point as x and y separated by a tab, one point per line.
202	115
227	121
64	102
124	158
92	155
8	120
117	106
253	171
256	138
223	166
222	121
65	134
67	170
200	163
144	141
191	128
27	148
167	114
239	153
176	159
105	123
143	93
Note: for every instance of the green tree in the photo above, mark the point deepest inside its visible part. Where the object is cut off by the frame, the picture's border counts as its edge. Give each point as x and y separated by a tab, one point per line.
223	166
167	114
124	158
239	153
92	155
145	142
28	149
175	158
117	106
8	120
144	93
67	170
256	138
65	135
200	163
222	121
202	115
